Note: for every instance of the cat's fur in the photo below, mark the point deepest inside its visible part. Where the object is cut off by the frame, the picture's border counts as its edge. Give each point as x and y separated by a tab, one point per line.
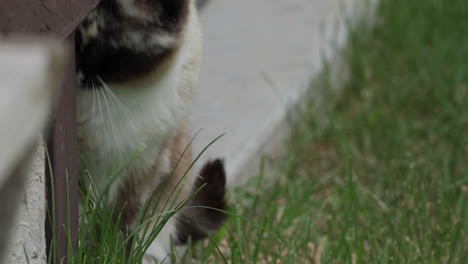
137	62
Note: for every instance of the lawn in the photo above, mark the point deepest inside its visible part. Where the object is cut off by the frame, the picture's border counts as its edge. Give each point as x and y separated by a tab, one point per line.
385	180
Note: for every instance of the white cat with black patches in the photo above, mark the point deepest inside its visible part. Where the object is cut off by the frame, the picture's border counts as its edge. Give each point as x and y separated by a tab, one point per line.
137	63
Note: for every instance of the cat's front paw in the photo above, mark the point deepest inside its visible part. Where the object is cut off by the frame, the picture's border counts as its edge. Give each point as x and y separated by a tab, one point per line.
156	259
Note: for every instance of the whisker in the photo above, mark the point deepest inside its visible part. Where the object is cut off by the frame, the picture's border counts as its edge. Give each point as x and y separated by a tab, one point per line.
110	118
94	98
102	116
99	105
112	93
121	106
111	98
114	99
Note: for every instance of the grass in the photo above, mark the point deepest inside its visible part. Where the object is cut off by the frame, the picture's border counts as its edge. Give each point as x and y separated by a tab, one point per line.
386	180
101	239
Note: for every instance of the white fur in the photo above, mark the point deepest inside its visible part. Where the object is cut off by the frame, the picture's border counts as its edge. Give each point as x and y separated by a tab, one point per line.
115	132
131	10
113	126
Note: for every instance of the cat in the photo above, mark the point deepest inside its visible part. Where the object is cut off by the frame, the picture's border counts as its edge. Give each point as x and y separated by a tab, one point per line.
136	64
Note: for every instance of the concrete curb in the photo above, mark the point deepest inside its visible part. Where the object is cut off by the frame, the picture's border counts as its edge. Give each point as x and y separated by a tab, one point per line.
260	59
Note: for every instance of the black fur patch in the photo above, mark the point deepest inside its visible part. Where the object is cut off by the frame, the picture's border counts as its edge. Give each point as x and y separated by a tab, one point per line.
173	11
199	220
113	54
114	64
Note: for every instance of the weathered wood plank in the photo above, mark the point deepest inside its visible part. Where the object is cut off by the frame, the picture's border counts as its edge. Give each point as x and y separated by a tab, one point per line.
46	17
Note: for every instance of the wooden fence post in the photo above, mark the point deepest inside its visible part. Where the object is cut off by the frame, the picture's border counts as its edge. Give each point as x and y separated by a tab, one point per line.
61	175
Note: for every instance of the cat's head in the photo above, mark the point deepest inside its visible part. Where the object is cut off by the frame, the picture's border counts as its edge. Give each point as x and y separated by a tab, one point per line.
121	39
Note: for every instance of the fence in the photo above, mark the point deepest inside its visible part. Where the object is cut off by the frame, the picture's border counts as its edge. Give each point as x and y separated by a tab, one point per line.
55	19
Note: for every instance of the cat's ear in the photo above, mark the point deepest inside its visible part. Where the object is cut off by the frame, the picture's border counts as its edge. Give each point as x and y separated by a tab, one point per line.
204	214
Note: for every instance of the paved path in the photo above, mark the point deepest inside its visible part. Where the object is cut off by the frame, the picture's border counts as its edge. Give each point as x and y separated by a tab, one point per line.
259	58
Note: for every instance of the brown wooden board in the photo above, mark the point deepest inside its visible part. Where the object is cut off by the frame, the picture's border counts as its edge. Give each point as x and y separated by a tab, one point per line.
50	17
61	175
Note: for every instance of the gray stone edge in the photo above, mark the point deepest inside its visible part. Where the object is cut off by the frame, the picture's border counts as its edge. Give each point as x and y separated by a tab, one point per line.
269	143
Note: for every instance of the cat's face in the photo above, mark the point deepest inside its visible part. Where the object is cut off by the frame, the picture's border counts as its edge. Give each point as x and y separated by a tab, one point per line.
124	39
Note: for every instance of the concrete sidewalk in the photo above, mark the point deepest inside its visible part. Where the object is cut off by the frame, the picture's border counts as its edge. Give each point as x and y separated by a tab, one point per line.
260	56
